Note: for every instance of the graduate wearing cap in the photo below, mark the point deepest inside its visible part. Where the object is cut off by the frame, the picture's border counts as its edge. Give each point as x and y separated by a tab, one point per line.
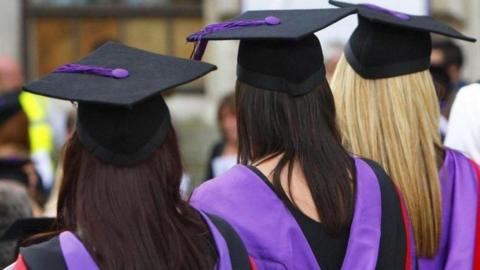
389	112
299	200
119	205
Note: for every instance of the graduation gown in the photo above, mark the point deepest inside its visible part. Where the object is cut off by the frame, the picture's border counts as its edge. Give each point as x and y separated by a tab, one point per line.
66	251
274	238
459	238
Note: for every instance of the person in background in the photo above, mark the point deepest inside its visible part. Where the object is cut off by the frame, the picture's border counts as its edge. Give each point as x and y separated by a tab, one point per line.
447	62
389	112
224	153
119	205
449	55
23	173
51	205
441	80
464	125
15	163
14	139
298	199
40	131
14	204
11	77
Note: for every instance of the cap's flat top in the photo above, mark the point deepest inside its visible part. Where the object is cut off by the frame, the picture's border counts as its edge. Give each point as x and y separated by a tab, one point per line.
418	23
149	74
294	25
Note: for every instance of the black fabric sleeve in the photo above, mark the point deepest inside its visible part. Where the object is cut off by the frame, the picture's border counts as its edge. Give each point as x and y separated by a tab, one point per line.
393	242
44	256
236	248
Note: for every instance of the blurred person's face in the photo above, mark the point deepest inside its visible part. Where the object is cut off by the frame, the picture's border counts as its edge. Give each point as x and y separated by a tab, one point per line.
228	122
10	75
437	58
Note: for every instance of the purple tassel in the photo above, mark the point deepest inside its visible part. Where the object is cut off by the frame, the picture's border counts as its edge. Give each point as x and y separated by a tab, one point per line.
117	73
201	44
396	14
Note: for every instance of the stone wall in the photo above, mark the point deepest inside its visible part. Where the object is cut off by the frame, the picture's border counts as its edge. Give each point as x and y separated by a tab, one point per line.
10	28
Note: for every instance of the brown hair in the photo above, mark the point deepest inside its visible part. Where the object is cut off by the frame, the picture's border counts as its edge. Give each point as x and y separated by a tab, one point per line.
301	129
132	217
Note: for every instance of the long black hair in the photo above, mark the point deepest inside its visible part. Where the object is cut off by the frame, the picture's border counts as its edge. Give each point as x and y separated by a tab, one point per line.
302	129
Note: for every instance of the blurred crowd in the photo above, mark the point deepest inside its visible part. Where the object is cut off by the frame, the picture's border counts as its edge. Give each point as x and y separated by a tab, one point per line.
29	153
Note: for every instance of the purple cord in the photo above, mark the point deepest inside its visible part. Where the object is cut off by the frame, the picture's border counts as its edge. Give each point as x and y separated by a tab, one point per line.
201	44
396	14
117	73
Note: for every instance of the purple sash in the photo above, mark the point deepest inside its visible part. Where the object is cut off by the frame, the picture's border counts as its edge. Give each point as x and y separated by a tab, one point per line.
269	231
223	262
77	257
364	241
459	206
75	254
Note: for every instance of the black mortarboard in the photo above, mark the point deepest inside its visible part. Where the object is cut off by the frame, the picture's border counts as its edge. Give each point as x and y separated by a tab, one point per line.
122	118
278	49
388	43
9	105
26	227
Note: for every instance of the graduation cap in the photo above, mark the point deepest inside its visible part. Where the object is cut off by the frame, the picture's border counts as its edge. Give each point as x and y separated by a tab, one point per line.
9	105
278	49
122	118
26	227
388	43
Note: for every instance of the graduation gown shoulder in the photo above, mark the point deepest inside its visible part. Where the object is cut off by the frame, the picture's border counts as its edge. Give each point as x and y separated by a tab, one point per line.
276	241
66	251
459	237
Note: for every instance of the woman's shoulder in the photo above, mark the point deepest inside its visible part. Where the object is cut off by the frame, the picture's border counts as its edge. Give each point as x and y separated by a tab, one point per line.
42	255
386	184
233	178
63	251
48	247
455	155
230	244
395	241
390	195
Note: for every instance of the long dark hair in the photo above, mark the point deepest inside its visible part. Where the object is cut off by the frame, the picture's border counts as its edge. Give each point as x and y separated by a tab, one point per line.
304	130
132	217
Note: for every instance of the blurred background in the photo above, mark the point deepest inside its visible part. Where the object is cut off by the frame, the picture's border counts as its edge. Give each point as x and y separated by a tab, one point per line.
40	35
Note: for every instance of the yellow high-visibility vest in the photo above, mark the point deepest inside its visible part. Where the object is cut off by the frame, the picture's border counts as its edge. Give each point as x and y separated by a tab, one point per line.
40	132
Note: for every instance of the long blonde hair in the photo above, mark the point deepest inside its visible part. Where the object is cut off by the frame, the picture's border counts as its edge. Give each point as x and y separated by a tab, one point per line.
394	121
